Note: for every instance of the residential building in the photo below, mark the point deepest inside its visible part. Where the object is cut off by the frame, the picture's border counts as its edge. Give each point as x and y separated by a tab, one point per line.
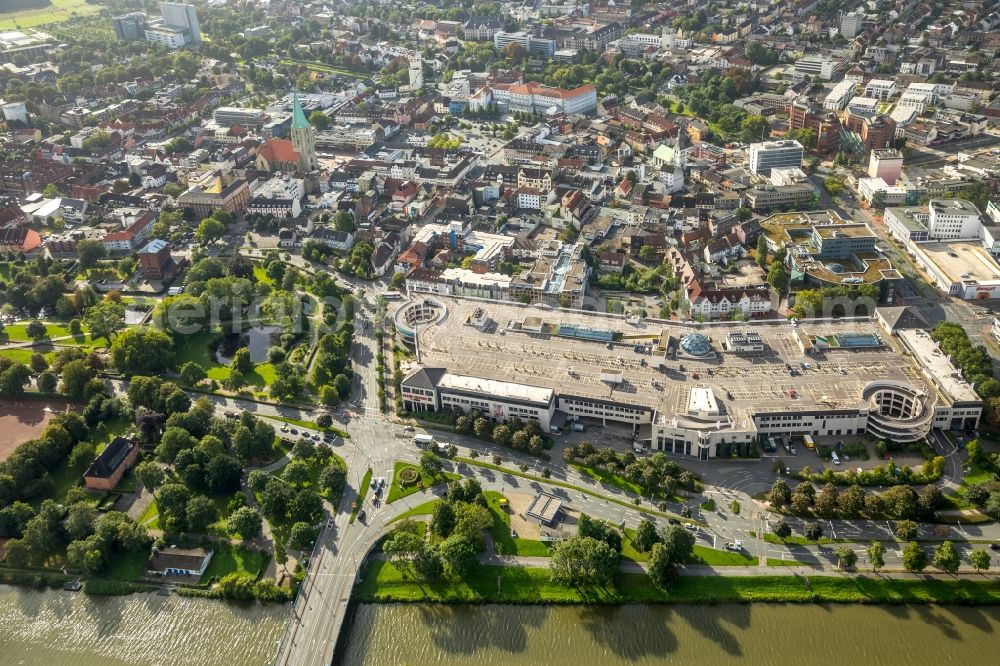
838	98
887	164
174	561
129	27
880	89
851	24
132	237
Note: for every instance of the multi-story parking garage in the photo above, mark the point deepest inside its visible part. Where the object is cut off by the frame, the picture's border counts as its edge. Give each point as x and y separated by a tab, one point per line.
685	389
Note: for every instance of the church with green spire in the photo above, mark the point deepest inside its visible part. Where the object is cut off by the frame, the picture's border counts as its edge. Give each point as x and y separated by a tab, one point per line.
296	154
303	137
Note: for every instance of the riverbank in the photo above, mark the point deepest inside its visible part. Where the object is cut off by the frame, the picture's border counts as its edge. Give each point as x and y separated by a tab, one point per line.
382	582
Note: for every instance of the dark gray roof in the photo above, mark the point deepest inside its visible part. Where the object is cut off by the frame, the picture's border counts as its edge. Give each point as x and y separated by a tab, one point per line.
425	378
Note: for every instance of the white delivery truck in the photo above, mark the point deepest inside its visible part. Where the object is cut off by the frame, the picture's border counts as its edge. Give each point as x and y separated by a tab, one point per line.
423	441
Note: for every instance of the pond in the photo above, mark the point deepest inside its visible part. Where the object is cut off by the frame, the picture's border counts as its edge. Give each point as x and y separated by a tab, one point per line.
257	340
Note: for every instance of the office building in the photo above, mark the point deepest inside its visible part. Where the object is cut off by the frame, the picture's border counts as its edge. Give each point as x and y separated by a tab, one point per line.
850	24
886	164
818	66
182	16
770	154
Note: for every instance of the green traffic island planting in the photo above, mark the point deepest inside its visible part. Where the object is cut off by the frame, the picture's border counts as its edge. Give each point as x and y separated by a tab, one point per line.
362	491
382	582
408	479
636	504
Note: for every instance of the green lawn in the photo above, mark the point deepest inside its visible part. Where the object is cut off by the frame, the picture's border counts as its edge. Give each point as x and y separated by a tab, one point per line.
800	541
425	509
506	544
320	67
24	355
702	554
150	517
19	332
197	348
260	273
362	491
57	12
229	558
396	491
532	477
381	582
127	566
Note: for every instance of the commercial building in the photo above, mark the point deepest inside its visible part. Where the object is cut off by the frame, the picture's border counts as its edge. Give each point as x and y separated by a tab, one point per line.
280	197
154	259
533	97
129	27
183	17
802	114
887	164
838	98
653	386
774	154
215	191
536	46
818	66
943	219
228	116
851	24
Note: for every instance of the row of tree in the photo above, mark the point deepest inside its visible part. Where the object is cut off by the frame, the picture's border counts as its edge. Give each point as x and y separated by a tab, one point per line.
898	502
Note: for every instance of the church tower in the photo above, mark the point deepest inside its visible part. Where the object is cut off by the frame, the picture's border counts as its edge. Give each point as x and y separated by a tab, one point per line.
680	148
303	137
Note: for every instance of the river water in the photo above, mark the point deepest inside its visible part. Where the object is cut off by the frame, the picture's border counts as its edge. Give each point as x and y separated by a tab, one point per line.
54	628
761	634
57	628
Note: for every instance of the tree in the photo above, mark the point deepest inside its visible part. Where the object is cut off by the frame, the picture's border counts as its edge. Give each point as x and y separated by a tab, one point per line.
150	475
172	502
777	276
47	382
846	557
661	567
679	543
209	230
430	463
296	472
80	519
105	319
303	536
914	557
344	221
332	480
946	557
242	363
324	421
980	560
36	330
142	351
90	252
583	561
14	379
781	529
246	522
427	564
876	555
319	120
762	250
200	513
472	519
443	520
460	554
74	377
192	373
813	531
779	494
646	536
401	546
906	530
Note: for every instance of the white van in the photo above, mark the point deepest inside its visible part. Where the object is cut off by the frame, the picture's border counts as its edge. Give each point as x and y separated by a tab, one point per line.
834	458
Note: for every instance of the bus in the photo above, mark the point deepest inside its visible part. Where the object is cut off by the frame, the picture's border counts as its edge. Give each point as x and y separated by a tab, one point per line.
423	441
392	296
808	441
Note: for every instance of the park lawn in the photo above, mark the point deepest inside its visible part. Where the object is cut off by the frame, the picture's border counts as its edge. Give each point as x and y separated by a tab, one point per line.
775	562
362	491
127	565
57	12
609	478
24	355
150	517
231	558
381	582
19	332
504	543
260	273
425	509
320	67
280	448
397	491
721	558
197	349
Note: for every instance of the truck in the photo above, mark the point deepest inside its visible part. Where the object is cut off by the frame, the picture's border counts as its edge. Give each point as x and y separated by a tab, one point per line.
577	427
423	441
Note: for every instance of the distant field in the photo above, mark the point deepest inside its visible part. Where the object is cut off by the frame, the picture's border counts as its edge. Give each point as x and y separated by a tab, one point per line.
57	12
22	420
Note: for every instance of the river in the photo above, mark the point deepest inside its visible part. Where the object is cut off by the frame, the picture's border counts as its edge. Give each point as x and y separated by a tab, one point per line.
57	628
412	635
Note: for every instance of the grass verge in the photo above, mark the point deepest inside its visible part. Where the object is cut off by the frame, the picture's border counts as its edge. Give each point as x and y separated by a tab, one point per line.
397	491
381	582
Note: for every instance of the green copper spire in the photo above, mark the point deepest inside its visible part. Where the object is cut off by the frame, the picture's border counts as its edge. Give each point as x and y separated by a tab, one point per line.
298	118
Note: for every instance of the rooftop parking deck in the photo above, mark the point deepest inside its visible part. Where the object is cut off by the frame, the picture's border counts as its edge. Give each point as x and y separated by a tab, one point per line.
780	377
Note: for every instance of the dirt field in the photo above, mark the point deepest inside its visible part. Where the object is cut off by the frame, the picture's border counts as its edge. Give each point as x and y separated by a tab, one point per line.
20	421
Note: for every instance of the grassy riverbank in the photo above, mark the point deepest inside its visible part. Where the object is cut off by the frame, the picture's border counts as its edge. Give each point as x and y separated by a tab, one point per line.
381	582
